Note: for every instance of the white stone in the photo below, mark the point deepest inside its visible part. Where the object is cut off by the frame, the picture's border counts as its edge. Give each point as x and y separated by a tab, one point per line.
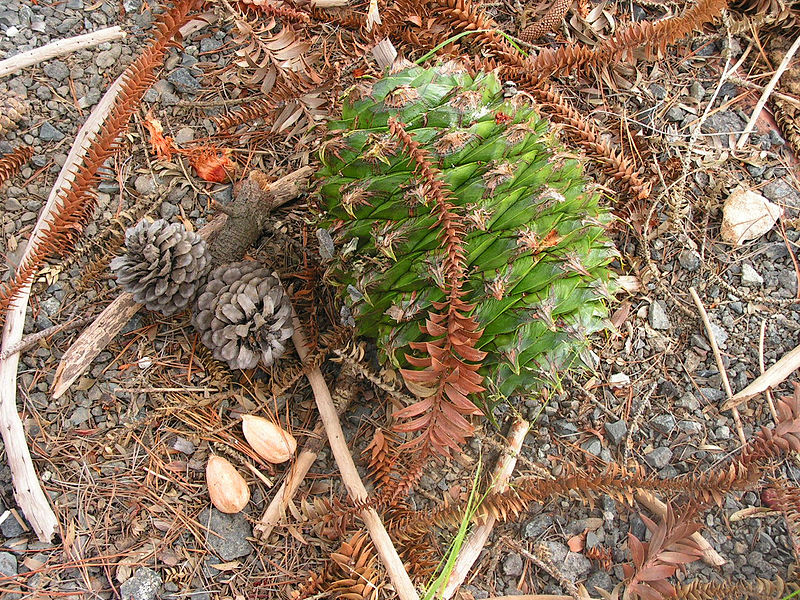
747	215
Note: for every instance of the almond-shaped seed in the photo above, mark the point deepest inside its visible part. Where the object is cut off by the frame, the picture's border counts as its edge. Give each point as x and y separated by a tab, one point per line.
270	441
228	490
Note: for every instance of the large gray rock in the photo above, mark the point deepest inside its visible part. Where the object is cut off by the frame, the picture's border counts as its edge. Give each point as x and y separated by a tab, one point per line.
8	564
143	585
616	431
227	534
659	458
658	316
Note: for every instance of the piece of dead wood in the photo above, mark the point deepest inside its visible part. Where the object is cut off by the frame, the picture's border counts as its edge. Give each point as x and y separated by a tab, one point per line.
737	419
762	101
657	507
347	468
30	340
59	48
773	376
477	540
27	489
110	322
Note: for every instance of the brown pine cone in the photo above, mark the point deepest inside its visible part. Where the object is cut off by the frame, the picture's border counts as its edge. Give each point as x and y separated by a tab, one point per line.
11	112
164	265
243	315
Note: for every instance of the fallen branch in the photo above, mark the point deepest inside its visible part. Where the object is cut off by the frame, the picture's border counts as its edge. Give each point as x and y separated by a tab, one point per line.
657	507
59	48
776	374
720	366
110	322
762	101
27	489
30	340
477	540
347	468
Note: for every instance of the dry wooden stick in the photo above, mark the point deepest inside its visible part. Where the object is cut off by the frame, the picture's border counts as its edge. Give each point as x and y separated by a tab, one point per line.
766	93
787	365
355	487
30	340
761	368
477	540
59	48
27	489
657	507
737	419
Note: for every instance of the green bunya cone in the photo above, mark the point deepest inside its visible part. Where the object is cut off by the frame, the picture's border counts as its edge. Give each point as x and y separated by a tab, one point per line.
536	246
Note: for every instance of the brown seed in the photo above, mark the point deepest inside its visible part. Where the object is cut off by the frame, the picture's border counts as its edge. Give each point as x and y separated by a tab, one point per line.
228	490
270	441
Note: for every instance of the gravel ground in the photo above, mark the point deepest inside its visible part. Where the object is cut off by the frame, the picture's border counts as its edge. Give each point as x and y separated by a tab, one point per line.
662	410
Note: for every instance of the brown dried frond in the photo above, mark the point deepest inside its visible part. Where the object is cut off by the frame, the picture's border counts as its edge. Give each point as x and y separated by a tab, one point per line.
12	162
381	457
271	8
449	363
671	547
758	588
547	22
781	13
618	483
252	110
586	135
657	36
76	204
267	60
783	437
463	15
786	499
353	572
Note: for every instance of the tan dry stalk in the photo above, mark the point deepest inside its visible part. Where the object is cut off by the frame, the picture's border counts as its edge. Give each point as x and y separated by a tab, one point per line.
720	366
59	48
355	487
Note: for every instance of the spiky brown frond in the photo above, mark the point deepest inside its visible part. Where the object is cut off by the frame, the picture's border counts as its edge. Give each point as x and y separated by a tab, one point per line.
353	572
786	499
785	436
449	362
669	548
272	8
252	110
11	163
76	204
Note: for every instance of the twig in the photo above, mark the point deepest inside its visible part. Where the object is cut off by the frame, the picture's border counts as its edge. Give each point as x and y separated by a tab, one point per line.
794	100
710	556
30	340
720	366
787	365
766	93
355	487
477	540
770	403
59	48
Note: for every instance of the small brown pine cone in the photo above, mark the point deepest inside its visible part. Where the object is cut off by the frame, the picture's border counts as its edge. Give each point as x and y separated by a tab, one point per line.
243	315
11	112
164	265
